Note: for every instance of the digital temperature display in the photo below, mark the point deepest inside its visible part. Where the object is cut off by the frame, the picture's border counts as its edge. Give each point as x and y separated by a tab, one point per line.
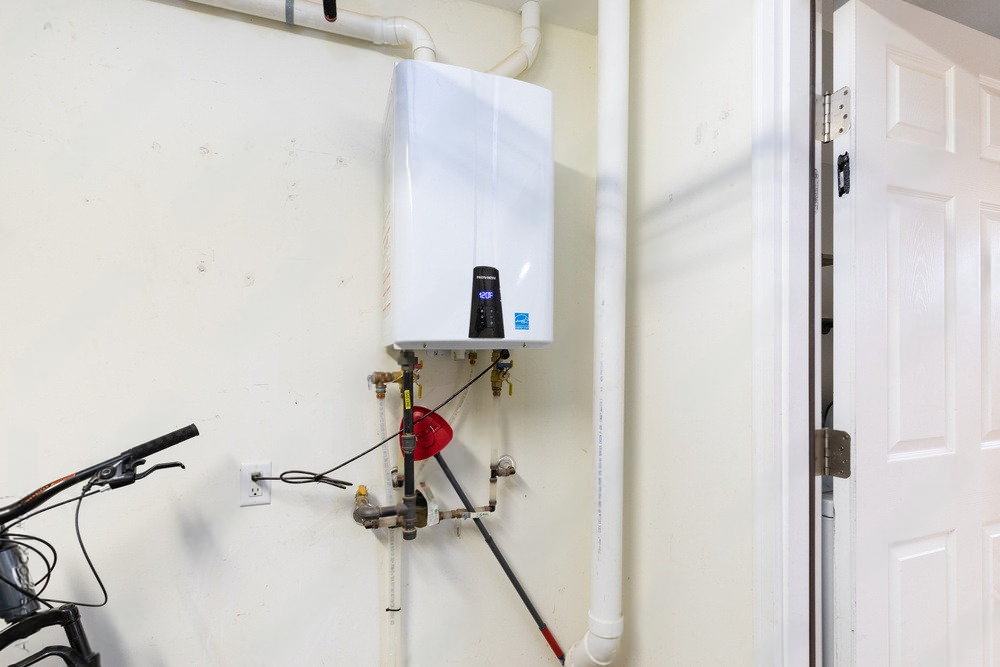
486	316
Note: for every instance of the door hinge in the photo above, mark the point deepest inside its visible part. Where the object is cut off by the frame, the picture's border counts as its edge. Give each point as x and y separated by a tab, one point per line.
833	114
831	453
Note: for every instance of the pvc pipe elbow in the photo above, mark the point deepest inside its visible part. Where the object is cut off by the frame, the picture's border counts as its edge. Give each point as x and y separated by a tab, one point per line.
399	30
531	30
593	651
526	52
511	66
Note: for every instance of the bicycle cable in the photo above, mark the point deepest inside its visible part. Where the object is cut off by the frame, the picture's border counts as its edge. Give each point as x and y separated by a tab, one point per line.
87	494
23	540
86	556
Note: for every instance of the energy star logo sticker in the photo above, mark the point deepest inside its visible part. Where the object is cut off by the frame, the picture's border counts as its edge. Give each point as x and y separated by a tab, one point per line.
521	321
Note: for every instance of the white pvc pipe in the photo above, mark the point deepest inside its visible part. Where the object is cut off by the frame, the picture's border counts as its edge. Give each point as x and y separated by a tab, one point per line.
523	57
600	645
393	30
392	644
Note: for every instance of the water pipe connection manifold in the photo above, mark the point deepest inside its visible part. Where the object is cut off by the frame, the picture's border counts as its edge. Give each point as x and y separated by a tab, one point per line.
427	440
418	508
367	513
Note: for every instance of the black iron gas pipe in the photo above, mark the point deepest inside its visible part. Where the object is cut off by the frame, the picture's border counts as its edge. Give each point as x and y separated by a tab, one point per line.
409	444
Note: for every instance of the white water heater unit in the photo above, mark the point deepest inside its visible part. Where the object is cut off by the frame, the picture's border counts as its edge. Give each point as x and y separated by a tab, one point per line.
468	243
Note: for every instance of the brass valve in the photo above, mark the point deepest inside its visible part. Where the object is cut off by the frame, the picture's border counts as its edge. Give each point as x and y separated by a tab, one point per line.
501	374
379	380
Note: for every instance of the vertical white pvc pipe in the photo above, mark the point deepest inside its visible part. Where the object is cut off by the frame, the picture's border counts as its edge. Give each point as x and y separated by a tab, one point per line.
392	646
600	644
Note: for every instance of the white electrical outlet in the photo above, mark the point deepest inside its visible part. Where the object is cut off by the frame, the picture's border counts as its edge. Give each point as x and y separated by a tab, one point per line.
255	492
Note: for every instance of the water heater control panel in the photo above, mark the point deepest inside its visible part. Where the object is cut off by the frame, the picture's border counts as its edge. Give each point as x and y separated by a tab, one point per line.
486	320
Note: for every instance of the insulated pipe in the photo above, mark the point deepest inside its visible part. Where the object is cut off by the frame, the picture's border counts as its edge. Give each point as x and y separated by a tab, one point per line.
523	57
495	452
600	645
392	647
392	31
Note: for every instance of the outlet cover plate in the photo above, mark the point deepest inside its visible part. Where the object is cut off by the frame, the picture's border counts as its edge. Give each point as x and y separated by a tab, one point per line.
255	493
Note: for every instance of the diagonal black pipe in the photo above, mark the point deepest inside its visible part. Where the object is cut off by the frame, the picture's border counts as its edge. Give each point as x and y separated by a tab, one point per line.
553	644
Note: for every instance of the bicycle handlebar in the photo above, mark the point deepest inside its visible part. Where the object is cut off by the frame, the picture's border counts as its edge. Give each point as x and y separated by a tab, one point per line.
126	461
159	444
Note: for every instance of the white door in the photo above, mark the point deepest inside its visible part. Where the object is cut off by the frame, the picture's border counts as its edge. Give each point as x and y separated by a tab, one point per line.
917	340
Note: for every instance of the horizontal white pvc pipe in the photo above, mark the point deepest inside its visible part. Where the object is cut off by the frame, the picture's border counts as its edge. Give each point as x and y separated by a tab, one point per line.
393	30
523	57
600	645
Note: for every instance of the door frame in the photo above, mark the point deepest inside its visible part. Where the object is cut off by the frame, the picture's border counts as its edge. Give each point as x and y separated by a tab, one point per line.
782	193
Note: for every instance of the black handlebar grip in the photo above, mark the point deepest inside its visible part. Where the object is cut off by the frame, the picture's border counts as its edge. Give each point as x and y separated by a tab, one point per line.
161	443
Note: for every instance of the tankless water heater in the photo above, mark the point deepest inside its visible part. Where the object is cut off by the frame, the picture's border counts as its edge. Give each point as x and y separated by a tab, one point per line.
468	242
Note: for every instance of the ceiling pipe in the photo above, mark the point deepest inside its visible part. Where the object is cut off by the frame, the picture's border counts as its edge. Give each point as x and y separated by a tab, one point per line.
523	57
391	31
599	646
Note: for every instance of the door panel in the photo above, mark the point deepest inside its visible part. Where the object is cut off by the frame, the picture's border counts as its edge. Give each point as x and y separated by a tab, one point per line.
917	347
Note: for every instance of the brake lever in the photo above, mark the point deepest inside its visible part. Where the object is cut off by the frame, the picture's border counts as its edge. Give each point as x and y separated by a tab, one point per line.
159	466
123	472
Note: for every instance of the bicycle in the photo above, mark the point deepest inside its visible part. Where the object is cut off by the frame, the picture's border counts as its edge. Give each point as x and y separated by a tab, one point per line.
20	603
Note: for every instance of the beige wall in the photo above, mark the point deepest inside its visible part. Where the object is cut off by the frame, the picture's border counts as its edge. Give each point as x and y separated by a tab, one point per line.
688	596
190	231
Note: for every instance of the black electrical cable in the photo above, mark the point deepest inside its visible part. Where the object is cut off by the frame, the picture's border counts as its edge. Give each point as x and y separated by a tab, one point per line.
306	477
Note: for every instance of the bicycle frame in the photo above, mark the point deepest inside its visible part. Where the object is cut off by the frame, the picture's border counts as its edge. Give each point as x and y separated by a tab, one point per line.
77	654
115	472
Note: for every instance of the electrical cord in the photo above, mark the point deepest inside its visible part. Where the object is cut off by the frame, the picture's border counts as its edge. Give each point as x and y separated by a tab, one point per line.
307	477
